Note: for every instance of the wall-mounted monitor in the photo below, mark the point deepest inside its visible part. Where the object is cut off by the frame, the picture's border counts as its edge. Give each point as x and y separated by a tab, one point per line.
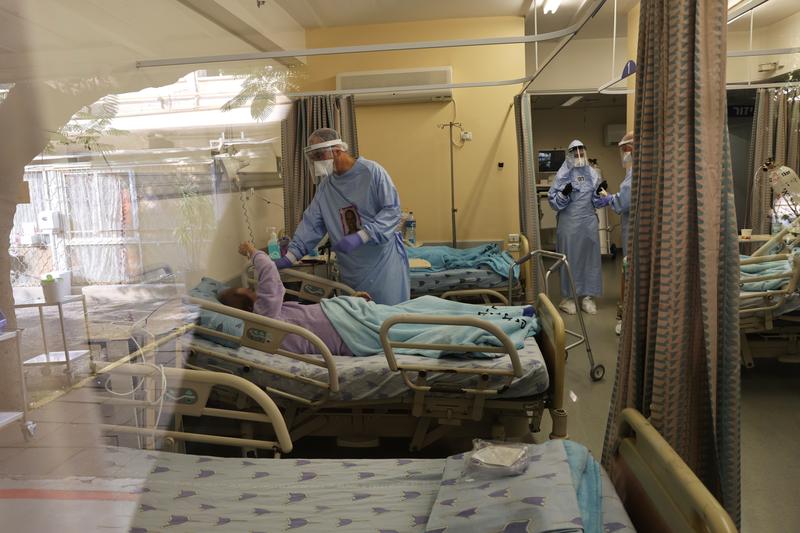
550	160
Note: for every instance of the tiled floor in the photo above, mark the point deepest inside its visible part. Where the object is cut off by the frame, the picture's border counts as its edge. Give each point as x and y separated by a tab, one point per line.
770	433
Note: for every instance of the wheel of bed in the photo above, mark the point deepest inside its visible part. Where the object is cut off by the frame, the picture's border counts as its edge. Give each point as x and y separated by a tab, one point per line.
562	487
352	398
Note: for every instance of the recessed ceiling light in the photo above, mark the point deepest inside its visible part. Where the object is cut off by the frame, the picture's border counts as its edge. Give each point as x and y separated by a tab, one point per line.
551	6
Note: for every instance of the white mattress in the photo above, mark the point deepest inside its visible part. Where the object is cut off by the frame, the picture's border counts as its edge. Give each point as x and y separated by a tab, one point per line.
369	378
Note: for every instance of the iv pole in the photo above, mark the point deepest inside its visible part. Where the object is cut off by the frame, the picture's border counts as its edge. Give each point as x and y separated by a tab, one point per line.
453	209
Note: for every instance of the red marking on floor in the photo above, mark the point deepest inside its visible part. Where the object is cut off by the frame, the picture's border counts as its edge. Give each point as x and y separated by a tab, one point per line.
54	494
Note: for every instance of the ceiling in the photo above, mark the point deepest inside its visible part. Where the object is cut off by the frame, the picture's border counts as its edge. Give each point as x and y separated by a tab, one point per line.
51	39
329	13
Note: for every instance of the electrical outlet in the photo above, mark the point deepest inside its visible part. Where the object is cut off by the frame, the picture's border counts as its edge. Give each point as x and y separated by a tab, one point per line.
513	247
466	135
513	237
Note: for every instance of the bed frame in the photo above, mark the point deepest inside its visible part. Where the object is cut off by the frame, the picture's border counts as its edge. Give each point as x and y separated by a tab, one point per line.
659	491
759	311
501	290
187	393
425	416
657	488
312	288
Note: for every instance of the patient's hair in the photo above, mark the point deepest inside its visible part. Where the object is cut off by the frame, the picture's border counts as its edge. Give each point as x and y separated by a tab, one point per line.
233	298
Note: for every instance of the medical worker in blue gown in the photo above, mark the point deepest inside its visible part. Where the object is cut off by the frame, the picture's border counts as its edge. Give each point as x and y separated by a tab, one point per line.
574	196
357	205
621	203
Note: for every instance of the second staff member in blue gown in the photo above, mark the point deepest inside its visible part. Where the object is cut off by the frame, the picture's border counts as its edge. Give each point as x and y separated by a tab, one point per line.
621	201
357	205
574	197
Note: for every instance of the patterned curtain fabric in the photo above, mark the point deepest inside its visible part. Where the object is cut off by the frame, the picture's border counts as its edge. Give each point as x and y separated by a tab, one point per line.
306	115
679	354
776	135
528	199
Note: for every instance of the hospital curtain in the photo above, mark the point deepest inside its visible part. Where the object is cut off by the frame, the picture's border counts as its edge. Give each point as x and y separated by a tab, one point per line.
775	135
306	115
679	354
528	199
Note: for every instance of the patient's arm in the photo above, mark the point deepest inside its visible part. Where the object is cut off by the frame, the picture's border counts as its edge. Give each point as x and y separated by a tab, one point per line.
269	290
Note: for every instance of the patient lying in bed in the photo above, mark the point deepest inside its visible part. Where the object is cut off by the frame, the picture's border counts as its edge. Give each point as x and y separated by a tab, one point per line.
351	325
267	300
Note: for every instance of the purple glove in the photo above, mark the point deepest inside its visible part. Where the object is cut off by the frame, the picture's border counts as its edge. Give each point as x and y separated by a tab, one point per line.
348	243
604	201
283	262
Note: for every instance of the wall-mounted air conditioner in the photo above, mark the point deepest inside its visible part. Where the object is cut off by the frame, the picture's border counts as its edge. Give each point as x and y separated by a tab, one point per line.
613	133
418	77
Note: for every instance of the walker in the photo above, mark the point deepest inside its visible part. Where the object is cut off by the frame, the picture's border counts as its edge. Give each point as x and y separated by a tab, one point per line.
596	371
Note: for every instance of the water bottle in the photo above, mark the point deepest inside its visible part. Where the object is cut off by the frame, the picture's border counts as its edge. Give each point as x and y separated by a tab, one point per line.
273	248
411	228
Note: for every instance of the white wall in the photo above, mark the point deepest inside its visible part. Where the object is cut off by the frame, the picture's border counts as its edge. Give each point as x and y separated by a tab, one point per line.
216	252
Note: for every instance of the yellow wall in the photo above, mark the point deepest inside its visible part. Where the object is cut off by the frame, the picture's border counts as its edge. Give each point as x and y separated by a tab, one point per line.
404	137
633	44
782	34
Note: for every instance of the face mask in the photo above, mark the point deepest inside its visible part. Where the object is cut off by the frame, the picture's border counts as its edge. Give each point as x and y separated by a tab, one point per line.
323	169
627	159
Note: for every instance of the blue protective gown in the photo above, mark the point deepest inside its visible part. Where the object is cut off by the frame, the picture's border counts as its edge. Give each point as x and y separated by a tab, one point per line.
363	198
577	232
621	204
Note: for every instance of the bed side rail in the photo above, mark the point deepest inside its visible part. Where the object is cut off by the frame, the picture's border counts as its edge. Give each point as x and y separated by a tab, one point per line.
450	403
507	347
265	334
552	342
486	295
772	299
646	462
312	288
187	393
525	273
779	240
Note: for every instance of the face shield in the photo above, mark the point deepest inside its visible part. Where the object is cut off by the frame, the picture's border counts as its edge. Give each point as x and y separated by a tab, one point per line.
626	153
320	158
578	156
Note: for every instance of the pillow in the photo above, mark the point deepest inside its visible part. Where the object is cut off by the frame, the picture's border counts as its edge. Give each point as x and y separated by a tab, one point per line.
416	262
208	289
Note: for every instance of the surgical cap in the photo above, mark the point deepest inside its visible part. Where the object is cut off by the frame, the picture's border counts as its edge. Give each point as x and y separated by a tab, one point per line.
324	135
575	144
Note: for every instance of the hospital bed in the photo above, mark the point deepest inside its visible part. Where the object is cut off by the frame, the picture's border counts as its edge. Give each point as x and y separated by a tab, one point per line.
357	399
767	299
424	281
563	488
